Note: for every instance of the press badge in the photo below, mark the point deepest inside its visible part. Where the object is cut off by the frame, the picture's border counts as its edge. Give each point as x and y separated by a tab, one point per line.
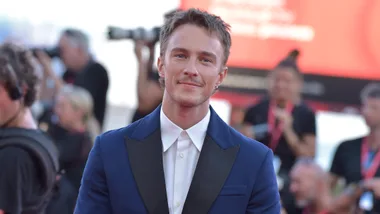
366	201
276	163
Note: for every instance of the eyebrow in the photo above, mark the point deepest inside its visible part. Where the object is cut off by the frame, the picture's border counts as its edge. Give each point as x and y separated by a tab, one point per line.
205	53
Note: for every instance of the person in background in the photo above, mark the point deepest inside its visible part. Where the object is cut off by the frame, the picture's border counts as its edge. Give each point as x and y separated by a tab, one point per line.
82	69
73	128
309	184
311	187
358	159
22	188
283	122
149	92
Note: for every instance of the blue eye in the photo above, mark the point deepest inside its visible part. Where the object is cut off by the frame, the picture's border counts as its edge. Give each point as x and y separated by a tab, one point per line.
205	60
180	56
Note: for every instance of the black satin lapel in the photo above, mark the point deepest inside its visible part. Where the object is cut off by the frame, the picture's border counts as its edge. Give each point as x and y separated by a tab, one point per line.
213	168
145	158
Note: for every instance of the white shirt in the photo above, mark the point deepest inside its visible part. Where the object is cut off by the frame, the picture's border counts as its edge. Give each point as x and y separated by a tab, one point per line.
181	150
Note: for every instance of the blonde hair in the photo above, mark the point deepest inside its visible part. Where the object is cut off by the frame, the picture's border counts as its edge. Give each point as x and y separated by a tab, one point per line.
80	98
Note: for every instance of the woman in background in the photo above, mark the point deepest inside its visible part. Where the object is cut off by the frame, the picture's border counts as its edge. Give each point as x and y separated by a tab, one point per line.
283	122
73	128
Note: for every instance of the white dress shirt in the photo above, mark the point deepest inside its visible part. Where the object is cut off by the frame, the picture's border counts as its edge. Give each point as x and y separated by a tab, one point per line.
181	150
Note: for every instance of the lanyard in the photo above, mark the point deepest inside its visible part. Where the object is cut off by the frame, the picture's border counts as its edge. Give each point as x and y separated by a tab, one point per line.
276	129
368	169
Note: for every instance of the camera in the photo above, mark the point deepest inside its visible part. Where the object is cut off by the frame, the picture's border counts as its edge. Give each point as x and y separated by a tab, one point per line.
148	35
51	52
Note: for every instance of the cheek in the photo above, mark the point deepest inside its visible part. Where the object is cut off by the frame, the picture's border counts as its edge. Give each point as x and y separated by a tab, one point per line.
171	69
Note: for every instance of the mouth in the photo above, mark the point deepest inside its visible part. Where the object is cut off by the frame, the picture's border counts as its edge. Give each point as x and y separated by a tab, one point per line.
189	83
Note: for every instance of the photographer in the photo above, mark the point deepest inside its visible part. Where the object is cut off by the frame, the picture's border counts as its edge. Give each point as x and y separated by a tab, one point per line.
149	92
23	187
82	69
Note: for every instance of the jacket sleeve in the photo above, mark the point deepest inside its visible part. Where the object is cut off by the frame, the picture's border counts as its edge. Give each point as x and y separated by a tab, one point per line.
93	195
265	197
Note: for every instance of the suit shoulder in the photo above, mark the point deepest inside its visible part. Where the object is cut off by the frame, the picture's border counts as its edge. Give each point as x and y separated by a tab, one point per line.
117	135
249	145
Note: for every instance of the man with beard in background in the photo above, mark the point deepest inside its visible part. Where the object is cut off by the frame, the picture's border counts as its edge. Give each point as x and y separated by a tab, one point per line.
358	160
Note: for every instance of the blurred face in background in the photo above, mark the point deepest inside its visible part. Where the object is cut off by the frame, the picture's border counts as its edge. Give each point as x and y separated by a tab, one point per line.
284	84
303	185
66	112
371	111
8	107
69	52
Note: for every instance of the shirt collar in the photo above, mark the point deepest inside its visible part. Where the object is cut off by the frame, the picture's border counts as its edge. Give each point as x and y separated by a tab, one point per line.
170	131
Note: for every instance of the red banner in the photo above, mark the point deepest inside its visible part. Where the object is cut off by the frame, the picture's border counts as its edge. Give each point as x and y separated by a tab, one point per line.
336	38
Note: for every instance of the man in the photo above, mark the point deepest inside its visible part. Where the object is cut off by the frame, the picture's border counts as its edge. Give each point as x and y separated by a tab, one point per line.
23	188
310	186
82	69
358	159
311	189
149	92
152	165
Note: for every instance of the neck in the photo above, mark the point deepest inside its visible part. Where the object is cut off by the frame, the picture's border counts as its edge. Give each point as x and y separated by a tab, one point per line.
374	138
184	116
24	120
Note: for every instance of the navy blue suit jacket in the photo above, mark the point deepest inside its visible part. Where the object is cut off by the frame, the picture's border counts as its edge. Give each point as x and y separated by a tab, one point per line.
124	173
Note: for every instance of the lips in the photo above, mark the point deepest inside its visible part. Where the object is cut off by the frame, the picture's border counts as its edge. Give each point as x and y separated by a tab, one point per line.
189	83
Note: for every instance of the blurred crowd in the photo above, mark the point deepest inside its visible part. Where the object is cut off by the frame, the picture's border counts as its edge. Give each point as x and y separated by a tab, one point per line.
70	110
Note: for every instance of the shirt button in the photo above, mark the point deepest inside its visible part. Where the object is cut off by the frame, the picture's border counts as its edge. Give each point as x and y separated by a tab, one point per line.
177	204
181	155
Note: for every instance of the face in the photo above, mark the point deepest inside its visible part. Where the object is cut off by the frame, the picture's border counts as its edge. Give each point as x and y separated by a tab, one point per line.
66	112
68	52
303	185
192	66
371	112
8	107
284	84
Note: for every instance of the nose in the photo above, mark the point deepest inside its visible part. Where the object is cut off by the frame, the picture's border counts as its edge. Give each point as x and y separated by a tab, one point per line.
191	69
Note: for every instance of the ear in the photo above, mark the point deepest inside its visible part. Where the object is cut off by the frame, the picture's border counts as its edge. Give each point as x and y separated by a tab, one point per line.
221	76
160	66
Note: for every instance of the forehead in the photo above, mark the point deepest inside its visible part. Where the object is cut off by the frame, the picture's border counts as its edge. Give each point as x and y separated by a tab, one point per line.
300	171
286	73
195	39
63	40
